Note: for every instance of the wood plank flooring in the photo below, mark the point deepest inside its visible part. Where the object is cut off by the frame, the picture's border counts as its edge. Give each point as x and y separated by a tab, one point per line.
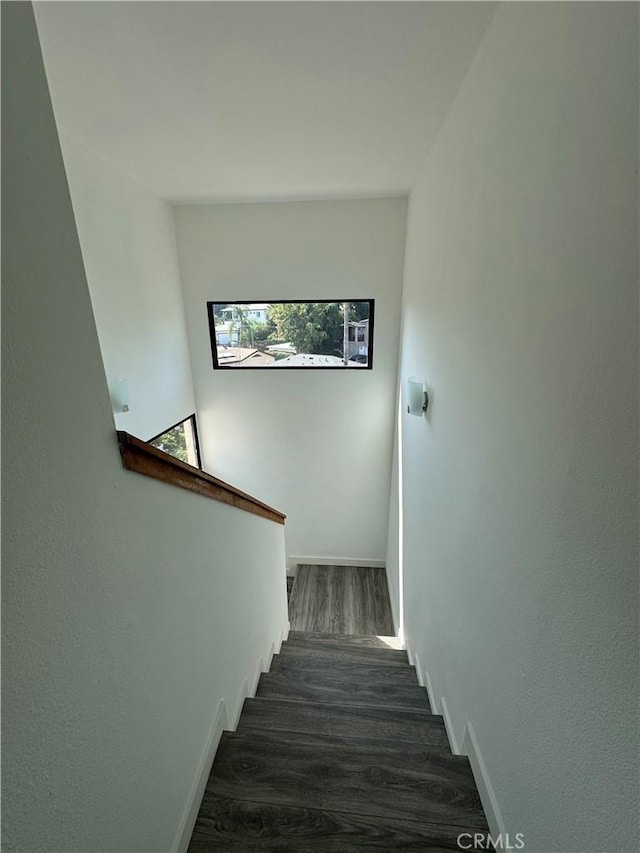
236	826
338	752
341	600
416	726
319	640
353	775
342	682
355	653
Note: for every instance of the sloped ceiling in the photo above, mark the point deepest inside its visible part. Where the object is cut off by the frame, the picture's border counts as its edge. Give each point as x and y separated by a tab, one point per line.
213	101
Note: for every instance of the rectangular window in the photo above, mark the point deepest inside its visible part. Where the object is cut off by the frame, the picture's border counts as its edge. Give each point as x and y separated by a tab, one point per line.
181	441
293	335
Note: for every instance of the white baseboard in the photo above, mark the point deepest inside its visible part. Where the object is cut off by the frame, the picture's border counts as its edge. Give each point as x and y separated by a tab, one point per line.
433	702
487	795
265	663
188	820
293	562
469	747
449	727
410	654
418	667
242	695
221	722
423	677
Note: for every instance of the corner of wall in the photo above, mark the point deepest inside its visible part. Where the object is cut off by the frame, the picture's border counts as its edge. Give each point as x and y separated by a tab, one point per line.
395	618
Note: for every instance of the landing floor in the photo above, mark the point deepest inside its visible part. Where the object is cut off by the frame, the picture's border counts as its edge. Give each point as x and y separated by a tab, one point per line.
341	600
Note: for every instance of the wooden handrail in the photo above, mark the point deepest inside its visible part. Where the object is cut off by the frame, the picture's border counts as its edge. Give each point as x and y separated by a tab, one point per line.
138	455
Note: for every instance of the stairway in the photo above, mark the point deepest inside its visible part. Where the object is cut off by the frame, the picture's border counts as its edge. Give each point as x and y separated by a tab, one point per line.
338	753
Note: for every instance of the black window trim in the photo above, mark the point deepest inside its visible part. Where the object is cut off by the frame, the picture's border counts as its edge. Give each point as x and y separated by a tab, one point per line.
212	332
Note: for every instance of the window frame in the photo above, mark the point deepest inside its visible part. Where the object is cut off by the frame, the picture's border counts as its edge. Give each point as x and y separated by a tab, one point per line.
214	349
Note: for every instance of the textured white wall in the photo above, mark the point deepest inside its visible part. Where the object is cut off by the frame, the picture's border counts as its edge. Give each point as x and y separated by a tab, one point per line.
129	250
122	626
521	487
315	444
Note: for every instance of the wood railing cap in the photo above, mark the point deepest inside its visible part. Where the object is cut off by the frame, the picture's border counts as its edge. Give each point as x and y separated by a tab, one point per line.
142	457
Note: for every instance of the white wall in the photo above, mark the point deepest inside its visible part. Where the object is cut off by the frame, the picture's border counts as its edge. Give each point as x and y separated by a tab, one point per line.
395	543
129	251
123	629
521	487
316	445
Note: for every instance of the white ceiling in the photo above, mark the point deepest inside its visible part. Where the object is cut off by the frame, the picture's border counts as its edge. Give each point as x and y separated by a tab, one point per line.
248	101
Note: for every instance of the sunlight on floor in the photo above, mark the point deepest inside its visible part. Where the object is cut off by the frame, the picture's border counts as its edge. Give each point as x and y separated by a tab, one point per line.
392	642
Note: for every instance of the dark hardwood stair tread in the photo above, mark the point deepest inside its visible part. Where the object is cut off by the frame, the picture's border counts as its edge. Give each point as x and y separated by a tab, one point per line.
354	683
275	685
421	712
395	750
367	640
345	651
339	751
358	776
370	746
239	826
395	724
308	667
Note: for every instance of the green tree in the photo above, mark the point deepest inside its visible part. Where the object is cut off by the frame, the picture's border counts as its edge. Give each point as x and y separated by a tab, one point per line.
173	442
311	327
264	331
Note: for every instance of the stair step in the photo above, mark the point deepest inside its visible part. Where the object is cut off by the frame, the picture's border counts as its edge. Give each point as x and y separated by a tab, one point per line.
316	680
370	641
382	779
236	826
344	651
412	726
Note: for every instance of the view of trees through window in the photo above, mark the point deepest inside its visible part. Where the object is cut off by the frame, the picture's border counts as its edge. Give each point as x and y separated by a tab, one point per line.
292	334
180	441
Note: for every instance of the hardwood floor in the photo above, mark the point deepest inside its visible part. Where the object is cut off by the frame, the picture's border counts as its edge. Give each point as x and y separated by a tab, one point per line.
342	682
320	640
345	651
341	600
375	723
339	751
236	826
353	775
